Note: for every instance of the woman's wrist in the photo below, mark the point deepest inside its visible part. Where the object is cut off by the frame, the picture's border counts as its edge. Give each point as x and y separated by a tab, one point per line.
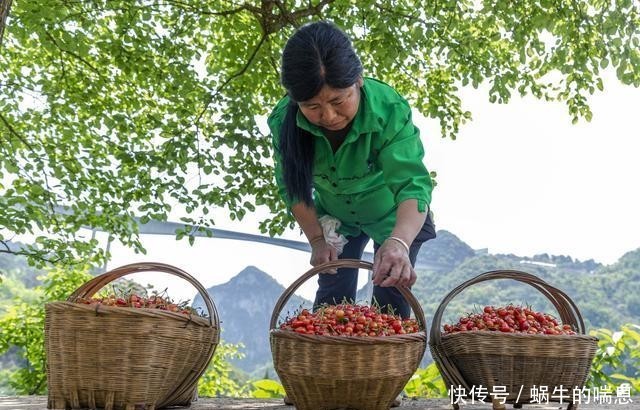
401	242
316	239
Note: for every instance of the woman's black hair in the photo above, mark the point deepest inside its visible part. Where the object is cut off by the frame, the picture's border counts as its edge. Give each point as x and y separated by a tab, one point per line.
316	54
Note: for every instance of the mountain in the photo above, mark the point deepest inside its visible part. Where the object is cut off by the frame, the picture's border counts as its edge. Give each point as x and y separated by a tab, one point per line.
245	305
618	285
443	253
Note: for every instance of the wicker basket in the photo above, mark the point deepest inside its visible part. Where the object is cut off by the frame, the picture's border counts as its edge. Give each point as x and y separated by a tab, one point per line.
516	361
329	372
126	358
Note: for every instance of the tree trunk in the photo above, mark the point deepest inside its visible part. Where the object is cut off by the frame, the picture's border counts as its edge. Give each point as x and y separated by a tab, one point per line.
5	5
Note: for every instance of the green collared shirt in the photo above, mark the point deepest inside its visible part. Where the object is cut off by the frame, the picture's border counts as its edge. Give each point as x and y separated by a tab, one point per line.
378	166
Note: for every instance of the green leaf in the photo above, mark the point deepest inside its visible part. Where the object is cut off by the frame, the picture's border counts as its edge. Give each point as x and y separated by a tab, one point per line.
267	388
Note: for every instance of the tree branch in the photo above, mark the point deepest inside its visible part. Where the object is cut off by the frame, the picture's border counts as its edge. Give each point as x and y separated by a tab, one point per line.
44	173
21	252
190	8
287	18
71	53
5	6
15	133
35	256
286	15
268	28
231	78
399	13
6	245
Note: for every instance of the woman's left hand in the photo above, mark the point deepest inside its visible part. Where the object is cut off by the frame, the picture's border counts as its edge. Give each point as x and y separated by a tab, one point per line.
392	267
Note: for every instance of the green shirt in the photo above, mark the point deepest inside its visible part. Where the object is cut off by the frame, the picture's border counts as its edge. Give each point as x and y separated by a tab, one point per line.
378	166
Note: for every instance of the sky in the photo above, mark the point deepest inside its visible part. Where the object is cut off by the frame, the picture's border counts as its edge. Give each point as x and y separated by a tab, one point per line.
520	178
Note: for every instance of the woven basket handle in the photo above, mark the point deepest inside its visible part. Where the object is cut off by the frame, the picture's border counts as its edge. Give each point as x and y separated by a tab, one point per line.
91	287
569	313
342	263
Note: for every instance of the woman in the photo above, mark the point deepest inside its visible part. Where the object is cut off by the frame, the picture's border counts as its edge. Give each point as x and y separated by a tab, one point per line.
346	146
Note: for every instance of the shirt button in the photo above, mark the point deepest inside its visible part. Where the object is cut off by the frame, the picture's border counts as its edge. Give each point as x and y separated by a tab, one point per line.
348	202
353	213
334	185
333	169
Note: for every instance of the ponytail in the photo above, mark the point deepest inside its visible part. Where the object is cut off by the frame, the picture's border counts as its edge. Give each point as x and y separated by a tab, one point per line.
296	153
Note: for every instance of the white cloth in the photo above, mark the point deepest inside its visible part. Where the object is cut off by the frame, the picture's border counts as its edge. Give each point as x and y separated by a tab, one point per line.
330	227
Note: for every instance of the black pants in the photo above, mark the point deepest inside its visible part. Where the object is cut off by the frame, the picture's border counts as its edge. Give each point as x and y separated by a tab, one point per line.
335	288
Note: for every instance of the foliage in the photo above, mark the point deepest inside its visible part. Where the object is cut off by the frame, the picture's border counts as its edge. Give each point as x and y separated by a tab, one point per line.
220	380
10	289
426	382
120	111
17	281
617	359
22	326
267	389
18	269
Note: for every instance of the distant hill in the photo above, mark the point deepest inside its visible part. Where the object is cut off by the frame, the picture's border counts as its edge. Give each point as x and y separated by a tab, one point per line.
244	305
443	253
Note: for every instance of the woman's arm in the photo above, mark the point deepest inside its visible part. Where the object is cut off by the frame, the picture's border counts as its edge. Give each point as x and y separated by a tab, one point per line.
409	221
307	218
392	258
404	172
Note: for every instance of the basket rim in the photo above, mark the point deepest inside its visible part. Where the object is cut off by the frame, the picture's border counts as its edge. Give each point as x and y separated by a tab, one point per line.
497	334
567	309
130	311
92	286
420	337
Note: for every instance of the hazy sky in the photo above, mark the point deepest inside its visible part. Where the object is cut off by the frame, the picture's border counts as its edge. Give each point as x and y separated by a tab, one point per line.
519	179
522	179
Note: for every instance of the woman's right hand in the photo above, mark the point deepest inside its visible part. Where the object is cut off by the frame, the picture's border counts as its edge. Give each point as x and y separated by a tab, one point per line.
322	252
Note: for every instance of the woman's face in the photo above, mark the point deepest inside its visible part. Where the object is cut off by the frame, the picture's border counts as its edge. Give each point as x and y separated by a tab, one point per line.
332	108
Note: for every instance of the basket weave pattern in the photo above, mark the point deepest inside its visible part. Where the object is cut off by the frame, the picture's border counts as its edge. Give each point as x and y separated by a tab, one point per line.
329	372
123	358
517	361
